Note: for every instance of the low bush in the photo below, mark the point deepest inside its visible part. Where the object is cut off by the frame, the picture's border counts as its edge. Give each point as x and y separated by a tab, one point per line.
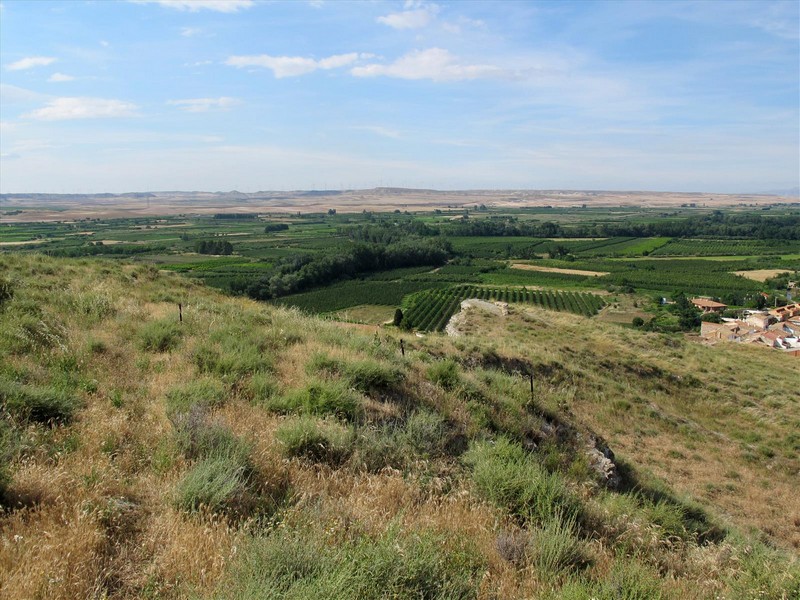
262	387
445	373
38	404
198	438
426	433
318	441
204	393
287	564
160	336
512	479
319	398
218	483
363	375
555	548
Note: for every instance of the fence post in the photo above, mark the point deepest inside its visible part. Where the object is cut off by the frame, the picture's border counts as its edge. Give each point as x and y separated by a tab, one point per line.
530	376
180	312
402	348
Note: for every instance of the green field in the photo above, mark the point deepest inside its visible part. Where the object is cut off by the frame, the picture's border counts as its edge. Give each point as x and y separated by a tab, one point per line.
291	260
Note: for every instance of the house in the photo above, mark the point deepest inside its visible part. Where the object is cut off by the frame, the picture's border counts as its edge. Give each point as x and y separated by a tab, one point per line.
783	313
728	331
760	320
708	306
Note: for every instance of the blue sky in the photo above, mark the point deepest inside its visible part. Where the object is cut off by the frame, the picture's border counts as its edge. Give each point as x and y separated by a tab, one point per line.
250	95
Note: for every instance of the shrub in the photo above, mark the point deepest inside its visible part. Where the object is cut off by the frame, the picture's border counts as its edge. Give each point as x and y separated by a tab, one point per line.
363	375
160	336
445	374
379	447
205	393
290	564
510	478
262	387
426	433
218	483
39	404
317	441
234	357
555	548
198	438
319	398
8	450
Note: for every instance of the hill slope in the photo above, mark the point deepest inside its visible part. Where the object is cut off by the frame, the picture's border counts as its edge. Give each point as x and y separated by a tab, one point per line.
252	452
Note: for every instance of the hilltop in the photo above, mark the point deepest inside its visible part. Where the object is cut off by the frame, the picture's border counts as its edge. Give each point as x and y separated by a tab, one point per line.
25	207
235	449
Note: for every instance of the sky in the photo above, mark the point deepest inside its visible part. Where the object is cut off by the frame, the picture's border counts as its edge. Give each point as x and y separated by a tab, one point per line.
248	95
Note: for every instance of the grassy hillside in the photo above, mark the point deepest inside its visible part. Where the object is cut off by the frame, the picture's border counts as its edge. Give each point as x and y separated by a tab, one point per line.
251	452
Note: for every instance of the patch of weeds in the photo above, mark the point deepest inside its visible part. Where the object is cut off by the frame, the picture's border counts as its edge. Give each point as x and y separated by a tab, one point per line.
116	398
319	398
197	437
363	375
41	404
318	441
426	433
262	387
445	373
628	580
160	336
97	347
300	564
202	392
555	548
513	480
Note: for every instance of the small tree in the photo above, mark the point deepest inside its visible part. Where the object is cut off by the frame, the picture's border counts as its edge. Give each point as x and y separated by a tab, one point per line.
398	317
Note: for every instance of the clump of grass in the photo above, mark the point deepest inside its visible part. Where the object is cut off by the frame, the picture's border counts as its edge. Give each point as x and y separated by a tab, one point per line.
445	373
8	450
160	336
319	398
232	359
426	433
198	438
318	441
262	387
628	580
511	479
218	483
40	404
363	375
292	564
204	393
555	548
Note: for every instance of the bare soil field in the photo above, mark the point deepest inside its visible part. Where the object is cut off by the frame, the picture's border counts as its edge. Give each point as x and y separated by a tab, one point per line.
51	207
761	274
526	267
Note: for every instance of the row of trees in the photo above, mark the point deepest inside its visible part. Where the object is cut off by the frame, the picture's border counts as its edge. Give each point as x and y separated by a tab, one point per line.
223	247
303	272
716	224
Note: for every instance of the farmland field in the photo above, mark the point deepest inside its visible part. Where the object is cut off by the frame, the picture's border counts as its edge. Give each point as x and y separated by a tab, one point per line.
331	264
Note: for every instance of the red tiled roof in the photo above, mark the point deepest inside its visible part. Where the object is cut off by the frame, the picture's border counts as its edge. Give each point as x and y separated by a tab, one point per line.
703	303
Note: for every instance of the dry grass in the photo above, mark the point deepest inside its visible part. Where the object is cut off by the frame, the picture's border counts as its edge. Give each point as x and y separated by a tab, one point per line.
92	503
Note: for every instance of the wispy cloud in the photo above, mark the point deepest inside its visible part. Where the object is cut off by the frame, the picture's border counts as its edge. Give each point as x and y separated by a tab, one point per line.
415	16
223	6
31	62
381	131
190	31
60	78
436	64
198	105
294	66
62	109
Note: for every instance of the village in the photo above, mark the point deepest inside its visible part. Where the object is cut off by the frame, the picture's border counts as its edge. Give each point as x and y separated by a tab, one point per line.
778	328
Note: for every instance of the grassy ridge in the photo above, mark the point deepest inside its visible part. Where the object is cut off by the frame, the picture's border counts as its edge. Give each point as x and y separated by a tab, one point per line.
250	451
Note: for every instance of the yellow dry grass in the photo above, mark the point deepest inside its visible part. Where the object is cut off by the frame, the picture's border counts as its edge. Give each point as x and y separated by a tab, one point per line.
528	267
761	274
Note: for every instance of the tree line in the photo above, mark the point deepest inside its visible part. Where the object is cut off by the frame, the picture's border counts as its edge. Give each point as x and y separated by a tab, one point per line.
299	273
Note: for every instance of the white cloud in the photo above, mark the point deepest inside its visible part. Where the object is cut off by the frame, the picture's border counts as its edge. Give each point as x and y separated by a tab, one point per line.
224	6
30	62
293	66
435	63
190	31
59	78
83	108
415	16
204	104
